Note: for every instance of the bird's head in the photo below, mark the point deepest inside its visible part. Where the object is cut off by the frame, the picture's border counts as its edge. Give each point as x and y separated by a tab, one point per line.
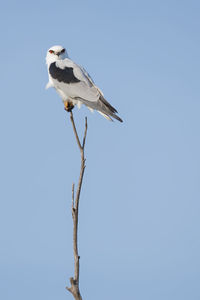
55	53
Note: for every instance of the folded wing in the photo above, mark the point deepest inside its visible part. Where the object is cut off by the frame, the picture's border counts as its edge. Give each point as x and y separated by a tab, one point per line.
76	83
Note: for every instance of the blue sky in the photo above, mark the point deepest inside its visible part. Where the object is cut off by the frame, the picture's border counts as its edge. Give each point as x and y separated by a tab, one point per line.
139	210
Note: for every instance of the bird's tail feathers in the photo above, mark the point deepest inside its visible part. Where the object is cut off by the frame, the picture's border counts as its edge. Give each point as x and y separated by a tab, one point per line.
107	108
103	107
105	116
107	104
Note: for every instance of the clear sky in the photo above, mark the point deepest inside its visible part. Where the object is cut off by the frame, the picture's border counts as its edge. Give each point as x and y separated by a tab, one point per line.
139	208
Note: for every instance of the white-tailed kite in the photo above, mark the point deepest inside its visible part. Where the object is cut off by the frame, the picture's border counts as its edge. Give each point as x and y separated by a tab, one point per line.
74	84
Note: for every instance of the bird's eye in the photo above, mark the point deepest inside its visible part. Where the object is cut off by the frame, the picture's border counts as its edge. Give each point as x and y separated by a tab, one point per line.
51	51
62	51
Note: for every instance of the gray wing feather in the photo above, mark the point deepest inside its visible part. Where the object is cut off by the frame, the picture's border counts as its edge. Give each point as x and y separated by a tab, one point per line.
85	90
102	106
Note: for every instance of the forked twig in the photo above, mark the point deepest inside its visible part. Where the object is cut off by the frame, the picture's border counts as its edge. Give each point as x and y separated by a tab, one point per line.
74	289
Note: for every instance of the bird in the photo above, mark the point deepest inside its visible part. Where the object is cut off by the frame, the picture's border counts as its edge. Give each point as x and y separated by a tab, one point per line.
74	85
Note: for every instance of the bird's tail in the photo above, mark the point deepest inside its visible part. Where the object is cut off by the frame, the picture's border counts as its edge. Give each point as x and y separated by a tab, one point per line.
103	107
107	109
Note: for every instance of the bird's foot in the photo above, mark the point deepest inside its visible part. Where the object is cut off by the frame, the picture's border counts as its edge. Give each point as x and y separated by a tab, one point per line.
68	106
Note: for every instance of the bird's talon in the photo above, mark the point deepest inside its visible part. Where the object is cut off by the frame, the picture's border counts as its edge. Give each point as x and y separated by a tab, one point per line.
68	106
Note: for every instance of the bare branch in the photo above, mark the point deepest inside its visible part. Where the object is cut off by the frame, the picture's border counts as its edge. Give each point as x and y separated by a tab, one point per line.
72	194
75	131
73	209
85	133
74	289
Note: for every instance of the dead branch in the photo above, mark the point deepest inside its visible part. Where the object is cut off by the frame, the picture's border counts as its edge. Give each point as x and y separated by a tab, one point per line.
74	289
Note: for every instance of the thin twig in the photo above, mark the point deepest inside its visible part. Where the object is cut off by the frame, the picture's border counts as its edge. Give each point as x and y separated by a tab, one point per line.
74	289
73	210
85	133
75	131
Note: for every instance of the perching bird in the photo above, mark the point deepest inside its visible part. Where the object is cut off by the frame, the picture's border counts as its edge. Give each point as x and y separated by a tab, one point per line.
74	84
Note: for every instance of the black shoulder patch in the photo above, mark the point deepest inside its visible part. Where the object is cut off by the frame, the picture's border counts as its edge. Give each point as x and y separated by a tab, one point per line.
62	75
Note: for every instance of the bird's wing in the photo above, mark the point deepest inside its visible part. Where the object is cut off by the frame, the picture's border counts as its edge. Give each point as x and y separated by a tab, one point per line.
74	81
87	74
